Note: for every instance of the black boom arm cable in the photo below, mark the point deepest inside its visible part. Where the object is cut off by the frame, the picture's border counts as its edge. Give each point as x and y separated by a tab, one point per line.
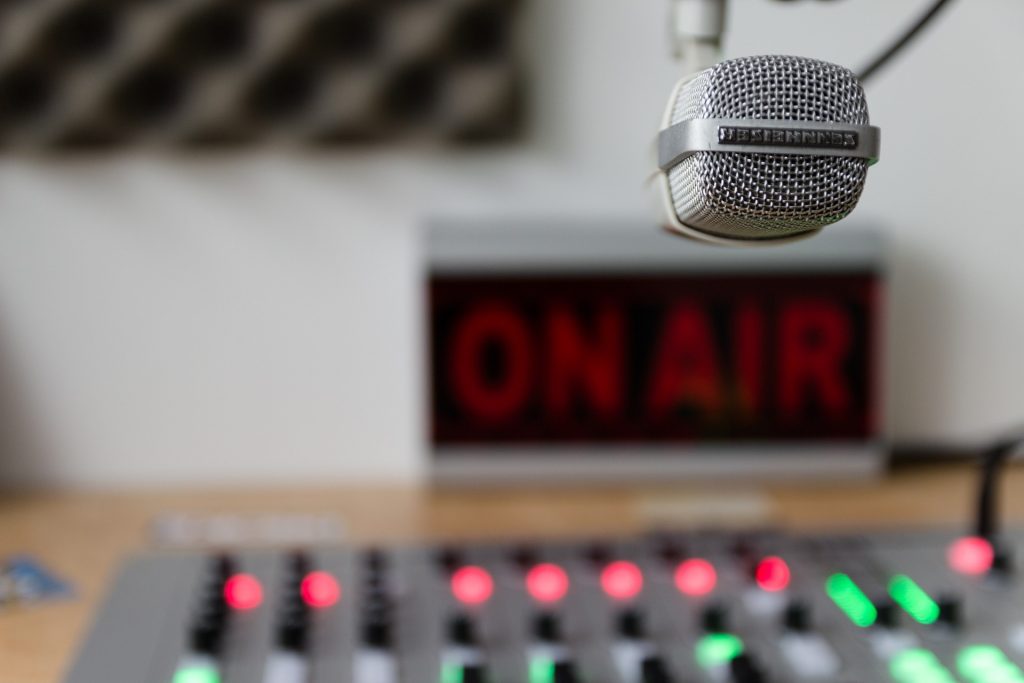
992	461
904	40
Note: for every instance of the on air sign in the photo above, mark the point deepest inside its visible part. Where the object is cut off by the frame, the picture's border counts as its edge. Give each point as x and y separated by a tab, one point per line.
626	349
652	358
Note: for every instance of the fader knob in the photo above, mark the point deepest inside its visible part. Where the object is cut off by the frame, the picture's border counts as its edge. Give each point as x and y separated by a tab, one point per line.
546	628
950	612
377	633
206	637
599	554
669	551
525	557
449	559
797	617
565	672
1002	560
653	670
461	631
888	615
715	619
473	673
631	624
744	669
293	634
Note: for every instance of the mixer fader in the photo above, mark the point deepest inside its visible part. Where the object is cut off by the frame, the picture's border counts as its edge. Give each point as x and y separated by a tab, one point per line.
664	608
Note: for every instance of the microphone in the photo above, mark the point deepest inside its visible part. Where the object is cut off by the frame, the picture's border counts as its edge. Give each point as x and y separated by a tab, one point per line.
764	150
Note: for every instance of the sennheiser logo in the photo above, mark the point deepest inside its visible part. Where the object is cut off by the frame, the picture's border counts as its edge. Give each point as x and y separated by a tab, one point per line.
787	137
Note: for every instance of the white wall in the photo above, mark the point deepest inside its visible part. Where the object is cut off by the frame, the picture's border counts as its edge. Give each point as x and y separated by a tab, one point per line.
223	319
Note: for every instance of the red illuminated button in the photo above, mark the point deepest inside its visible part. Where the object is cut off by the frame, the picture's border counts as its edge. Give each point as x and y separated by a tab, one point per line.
472	585
547	583
772	574
320	589
971	555
695	577
622	580
243	592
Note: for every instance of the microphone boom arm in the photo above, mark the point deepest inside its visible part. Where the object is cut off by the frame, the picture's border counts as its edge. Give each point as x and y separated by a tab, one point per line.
697	30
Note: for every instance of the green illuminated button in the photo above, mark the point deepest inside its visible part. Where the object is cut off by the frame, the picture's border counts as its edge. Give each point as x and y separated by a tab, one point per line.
542	670
917	665
979	658
716	649
987	664
913	661
912	598
451	673
197	674
849	598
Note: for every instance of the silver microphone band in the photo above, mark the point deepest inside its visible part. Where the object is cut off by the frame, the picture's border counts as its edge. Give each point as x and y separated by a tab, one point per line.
767	136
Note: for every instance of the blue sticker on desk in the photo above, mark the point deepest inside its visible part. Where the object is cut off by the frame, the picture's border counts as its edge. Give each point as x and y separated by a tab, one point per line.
23	579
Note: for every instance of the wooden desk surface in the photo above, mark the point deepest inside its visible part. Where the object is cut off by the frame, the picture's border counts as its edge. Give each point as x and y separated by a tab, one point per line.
83	536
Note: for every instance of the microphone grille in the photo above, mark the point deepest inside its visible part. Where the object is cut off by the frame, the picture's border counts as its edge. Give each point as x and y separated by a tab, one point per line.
764	196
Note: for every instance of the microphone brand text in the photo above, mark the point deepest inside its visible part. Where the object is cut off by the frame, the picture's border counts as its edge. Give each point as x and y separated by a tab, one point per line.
787	137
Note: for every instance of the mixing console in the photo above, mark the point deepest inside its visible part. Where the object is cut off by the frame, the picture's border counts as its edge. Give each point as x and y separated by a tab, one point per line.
665	608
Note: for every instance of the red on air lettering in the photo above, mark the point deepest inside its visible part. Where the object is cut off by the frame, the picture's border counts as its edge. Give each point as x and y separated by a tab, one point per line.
588	364
685	368
749	341
815	339
501	326
516	365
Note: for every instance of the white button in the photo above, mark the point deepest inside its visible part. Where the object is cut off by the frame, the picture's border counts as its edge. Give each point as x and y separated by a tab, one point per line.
810	656
1016	637
764	603
628	656
286	667
375	666
887	643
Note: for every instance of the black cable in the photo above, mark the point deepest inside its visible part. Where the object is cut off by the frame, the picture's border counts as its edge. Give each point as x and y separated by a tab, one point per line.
992	460
904	40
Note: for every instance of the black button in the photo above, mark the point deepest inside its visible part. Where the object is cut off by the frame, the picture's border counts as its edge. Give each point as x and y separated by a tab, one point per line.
631	624
797	616
525	557
888	615
669	550
449	559
743	549
473	673
206	638
950	613
565	672
292	635
744	669
715	619
1002	560
461	631
653	670
598	554
377	633
547	628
